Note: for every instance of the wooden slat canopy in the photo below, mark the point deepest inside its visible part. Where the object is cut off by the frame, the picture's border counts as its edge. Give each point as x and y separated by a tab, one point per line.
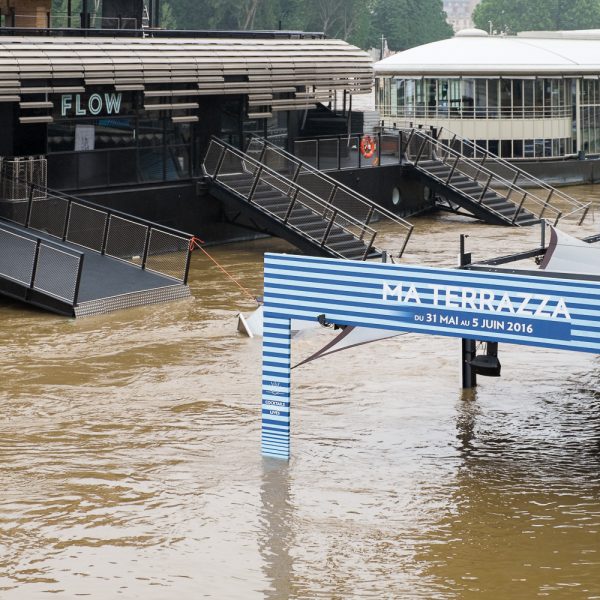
169	69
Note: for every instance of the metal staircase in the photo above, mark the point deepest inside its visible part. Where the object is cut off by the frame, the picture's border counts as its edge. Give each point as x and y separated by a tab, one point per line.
291	200
465	183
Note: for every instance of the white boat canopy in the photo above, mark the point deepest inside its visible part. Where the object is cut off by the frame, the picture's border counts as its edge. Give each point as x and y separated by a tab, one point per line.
474	53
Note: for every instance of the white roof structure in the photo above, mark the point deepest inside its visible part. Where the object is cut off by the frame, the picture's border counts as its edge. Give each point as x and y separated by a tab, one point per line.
472	53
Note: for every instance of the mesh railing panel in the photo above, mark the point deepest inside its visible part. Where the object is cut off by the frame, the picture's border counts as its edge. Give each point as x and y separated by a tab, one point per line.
277	161
86	226
316	183
328	153
352	205
56	273
306	150
211	158
49	215
17	256
168	254
126	240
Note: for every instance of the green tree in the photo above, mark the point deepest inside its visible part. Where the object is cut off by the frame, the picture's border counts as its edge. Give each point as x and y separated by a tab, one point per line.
167	19
348	20
409	23
512	16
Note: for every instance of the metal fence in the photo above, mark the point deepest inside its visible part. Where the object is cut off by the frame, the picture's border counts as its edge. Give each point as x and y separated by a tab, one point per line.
296	207
539	198
349	151
149	246
40	265
325	187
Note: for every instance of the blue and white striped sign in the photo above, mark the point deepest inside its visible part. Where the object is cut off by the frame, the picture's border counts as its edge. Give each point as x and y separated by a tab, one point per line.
501	307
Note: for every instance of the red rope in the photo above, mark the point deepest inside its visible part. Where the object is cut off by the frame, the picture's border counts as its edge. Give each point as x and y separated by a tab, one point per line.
195	243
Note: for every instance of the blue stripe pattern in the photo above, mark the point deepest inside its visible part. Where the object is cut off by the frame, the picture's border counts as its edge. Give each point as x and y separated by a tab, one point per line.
486	306
276	385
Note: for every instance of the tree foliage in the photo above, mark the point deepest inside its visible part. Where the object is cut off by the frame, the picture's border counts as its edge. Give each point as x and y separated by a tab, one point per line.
408	23
404	23
512	16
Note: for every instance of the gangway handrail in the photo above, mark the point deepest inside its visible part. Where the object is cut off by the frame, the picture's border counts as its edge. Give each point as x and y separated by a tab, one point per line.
40	241
150	226
297	189
522	174
373	208
492	176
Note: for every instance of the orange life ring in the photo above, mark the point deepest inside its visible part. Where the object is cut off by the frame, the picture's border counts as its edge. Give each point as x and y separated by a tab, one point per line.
367	146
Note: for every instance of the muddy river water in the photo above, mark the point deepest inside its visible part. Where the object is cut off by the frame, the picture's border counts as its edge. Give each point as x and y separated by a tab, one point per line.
130	461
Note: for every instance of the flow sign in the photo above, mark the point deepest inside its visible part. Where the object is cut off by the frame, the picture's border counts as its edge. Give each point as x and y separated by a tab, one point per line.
501	307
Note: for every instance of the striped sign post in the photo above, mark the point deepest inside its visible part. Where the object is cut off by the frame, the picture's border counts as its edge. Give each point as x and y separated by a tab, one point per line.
550	312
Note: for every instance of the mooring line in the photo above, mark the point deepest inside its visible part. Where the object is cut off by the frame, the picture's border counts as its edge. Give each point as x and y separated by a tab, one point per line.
196	242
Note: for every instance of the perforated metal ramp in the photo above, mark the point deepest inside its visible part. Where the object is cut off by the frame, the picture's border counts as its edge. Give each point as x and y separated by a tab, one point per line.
77	258
67	279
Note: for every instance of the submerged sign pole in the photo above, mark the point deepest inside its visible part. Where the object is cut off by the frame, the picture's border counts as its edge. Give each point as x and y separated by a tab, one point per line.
550	312
276	378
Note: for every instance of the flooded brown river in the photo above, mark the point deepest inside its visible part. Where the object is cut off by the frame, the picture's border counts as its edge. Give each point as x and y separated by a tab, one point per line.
131	467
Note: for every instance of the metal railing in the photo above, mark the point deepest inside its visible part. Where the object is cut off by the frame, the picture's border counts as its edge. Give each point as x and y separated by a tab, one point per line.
419	143
523	178
243	174
419	147
110	232
326	187
40	265
343	151
466	112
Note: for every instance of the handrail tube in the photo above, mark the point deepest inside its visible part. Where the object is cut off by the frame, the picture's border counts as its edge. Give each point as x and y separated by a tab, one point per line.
106	230
420	152
451	173
517	212
296	186
291	205
547	202
514	182
328	228
254	185
485	189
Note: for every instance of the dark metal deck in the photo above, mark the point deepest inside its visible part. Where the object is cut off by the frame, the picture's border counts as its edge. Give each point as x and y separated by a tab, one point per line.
72	280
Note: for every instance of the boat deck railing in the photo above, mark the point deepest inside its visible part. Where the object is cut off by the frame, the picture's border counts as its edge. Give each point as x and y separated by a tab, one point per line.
110	232
325	186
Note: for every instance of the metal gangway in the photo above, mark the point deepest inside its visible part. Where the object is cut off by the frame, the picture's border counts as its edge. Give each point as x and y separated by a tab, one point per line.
77	258
291	200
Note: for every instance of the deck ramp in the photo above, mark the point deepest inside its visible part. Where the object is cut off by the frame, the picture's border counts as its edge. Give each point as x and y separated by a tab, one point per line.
75	258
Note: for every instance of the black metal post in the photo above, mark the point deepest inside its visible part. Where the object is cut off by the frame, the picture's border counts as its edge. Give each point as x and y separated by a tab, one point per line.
255	183
188	261
105	236
469	377
78	280
328	228
146	247
464	258
36	257
67	219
